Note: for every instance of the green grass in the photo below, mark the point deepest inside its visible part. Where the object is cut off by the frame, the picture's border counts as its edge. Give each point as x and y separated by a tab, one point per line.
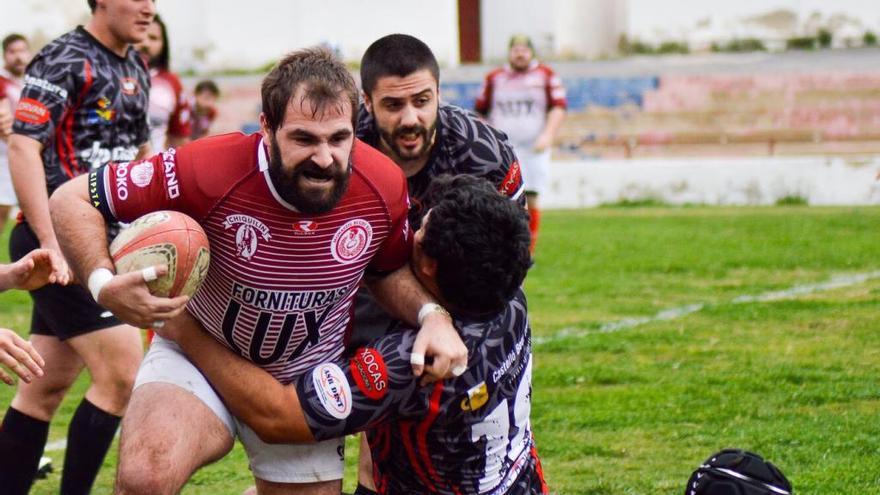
635	411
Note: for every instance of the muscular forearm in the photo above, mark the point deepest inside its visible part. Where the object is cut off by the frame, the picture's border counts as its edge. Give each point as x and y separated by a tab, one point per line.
29	180
254	396
400	294
80	228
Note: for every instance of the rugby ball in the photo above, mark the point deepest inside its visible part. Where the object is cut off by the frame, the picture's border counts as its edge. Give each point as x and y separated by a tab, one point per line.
164	238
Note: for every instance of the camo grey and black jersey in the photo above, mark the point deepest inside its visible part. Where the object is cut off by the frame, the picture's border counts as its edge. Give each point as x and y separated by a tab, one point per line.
468	435
85	104
464	145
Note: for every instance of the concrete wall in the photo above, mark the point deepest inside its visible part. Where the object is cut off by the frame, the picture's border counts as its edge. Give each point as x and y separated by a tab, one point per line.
716	181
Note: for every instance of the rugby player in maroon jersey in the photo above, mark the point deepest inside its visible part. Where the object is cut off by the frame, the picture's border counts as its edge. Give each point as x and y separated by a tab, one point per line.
466	435
297	217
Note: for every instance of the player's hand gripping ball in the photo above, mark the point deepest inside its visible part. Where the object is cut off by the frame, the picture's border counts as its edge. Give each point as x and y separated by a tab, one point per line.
164	238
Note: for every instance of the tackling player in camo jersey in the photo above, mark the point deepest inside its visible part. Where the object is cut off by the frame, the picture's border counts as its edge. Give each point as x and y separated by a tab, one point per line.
467	435
84	103
403	117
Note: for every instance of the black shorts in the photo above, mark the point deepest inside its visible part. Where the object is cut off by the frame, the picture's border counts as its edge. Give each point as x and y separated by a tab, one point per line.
59	311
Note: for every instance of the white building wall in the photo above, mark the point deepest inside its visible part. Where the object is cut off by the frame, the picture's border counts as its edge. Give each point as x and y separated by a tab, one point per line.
223	34
567	28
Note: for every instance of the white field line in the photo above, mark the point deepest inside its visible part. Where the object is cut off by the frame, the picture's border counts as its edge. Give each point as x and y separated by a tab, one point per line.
835	282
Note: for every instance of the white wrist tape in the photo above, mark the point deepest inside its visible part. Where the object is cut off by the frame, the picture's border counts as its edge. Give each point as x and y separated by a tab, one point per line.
97	280
429	308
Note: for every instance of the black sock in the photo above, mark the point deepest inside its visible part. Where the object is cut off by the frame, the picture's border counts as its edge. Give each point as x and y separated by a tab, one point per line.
22	439
362	490
88	439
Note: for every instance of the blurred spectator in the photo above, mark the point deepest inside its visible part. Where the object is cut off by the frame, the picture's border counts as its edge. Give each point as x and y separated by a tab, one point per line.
169	110
16	55
526	100
204	109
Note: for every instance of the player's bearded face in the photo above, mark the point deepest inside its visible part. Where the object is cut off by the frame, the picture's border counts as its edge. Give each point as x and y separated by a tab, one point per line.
294	182
400	137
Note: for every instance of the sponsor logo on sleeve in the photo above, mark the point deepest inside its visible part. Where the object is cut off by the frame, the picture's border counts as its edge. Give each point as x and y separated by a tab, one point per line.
512	181
332	390
122	180
93	189
169	162
45	86
476	398
370	373
246	234
31	111
142	174
351	241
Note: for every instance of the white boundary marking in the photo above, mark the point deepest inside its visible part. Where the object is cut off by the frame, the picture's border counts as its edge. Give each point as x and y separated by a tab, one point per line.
836	282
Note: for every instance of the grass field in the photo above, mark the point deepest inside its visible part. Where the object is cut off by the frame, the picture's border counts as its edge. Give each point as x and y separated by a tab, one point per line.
648	358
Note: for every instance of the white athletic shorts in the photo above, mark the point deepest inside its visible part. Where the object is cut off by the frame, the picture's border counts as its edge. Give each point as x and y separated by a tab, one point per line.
7	193
535	168
279	463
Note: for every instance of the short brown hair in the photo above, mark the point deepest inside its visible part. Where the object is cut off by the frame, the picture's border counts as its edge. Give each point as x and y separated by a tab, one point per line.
325	78
93	4
12	38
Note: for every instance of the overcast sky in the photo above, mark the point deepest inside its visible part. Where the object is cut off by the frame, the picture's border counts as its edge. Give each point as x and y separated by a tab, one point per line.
645	16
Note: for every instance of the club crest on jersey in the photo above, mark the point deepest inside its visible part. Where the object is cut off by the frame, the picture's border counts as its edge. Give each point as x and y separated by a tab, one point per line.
129	86
305	227
351	241
332	390
248	230
142	174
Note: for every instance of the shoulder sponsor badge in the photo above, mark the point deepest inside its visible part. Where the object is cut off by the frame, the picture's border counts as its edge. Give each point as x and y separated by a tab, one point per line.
31	111
332	390
512	181
370	373
351	241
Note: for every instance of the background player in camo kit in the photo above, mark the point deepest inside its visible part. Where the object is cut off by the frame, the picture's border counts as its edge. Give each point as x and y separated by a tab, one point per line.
466	435
84	103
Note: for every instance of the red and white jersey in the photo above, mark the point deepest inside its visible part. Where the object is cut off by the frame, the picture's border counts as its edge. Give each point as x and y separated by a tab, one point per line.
280	286
517	102
169	109
10	89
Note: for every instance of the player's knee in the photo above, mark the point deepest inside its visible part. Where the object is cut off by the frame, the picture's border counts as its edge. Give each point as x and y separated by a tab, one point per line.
139	472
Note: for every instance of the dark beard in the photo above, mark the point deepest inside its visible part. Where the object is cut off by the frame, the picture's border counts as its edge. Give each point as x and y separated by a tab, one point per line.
427	135
288	187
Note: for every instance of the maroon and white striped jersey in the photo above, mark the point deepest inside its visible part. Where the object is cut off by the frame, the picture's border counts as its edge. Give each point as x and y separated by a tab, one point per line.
517	102
280	286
